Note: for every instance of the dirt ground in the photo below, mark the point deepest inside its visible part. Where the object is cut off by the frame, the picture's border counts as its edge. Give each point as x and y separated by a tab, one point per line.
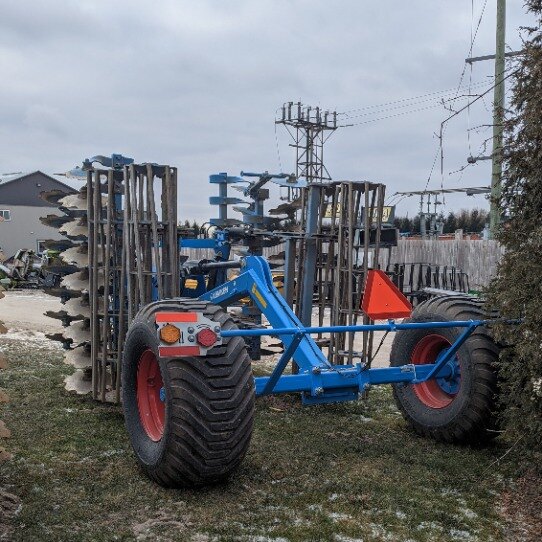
22	311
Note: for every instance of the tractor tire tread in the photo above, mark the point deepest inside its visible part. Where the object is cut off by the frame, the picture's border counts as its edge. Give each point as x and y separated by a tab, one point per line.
211	405
475	423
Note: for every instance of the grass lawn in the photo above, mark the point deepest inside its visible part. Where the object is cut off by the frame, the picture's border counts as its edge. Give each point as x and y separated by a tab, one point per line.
335	473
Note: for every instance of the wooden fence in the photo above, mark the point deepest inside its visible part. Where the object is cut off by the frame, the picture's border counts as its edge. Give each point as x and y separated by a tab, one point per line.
478	259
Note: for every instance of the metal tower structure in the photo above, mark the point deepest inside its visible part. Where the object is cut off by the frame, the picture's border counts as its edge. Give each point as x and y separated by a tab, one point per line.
311	129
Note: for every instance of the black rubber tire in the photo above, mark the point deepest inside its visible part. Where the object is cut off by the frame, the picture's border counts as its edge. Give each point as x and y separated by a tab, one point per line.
471	417
209	406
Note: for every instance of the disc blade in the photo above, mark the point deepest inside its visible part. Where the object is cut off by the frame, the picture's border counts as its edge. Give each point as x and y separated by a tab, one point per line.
79	383
54	221
74	201
75	228
53	196
77	255
78	332
79	357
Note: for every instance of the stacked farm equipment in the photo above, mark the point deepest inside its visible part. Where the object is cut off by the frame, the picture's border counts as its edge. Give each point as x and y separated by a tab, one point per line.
149	326
26	269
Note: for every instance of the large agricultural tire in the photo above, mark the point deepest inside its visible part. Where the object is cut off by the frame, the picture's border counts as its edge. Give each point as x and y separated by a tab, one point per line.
193	427
462	408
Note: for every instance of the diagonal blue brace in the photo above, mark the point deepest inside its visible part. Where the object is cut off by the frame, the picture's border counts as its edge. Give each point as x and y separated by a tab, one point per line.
448	354
281	365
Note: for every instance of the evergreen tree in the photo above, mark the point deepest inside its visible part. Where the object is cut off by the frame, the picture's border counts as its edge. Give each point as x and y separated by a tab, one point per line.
517	288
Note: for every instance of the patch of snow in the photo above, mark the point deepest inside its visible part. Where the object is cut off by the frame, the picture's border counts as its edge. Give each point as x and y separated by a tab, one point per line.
336	516
469	514
429	525
342	538
458	534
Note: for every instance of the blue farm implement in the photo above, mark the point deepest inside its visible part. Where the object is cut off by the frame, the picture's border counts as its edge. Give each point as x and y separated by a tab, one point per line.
190	416
175	335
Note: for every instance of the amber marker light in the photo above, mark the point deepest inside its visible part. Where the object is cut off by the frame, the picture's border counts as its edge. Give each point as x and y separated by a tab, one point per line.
170	334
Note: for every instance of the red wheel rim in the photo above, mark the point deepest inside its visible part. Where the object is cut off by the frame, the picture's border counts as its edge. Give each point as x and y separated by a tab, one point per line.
152	409
433	393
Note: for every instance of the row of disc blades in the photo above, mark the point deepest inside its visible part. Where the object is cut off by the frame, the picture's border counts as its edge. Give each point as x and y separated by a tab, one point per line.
4	431
72	263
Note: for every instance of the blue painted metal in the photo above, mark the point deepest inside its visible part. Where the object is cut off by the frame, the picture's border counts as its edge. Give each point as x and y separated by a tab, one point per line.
281	365
447	355
390	326
318	380
222	248
115	161
222	200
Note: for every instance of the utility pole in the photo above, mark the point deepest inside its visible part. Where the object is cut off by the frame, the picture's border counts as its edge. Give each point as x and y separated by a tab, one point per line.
423	223
498	121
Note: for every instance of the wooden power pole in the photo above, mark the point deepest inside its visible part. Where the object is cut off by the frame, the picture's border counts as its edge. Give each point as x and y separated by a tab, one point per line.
498	121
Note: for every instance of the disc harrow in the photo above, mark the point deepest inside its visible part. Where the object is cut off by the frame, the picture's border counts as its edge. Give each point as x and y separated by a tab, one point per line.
74	286
104	282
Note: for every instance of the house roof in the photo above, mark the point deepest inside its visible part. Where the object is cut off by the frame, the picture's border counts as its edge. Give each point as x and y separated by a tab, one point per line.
11	177
26	189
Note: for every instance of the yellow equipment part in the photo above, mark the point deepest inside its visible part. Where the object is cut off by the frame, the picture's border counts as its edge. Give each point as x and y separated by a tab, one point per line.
278	282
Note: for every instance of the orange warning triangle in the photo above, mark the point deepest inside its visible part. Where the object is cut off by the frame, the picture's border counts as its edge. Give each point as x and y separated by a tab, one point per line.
381	299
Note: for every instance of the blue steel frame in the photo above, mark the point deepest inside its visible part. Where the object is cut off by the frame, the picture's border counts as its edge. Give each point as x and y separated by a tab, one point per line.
222	248
319	380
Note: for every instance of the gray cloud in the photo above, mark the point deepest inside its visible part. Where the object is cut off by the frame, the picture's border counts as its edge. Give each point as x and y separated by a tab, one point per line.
197	84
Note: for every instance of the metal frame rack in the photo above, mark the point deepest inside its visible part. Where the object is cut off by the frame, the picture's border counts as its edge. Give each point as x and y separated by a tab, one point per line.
133	256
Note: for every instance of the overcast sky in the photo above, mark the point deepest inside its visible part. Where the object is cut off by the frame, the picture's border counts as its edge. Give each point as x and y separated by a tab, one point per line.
196	84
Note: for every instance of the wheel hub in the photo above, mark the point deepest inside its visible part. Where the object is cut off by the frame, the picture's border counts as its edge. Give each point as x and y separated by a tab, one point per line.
151	395
439	392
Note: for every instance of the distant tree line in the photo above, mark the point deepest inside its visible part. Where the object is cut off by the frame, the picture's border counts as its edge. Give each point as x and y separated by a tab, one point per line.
191	226
470	221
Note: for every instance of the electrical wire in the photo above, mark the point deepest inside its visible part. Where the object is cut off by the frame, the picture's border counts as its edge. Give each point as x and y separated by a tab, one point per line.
470	75
408	102
440	147
472	40
408	112
277	141
453	90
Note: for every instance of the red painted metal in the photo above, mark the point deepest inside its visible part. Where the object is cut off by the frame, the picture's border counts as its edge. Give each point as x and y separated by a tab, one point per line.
206	337
427	351
152	410
176	317
172	351
381	299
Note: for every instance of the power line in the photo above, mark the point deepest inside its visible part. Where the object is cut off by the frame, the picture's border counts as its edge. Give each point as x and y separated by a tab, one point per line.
391	116
441	93
441	101
440	148
277	142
